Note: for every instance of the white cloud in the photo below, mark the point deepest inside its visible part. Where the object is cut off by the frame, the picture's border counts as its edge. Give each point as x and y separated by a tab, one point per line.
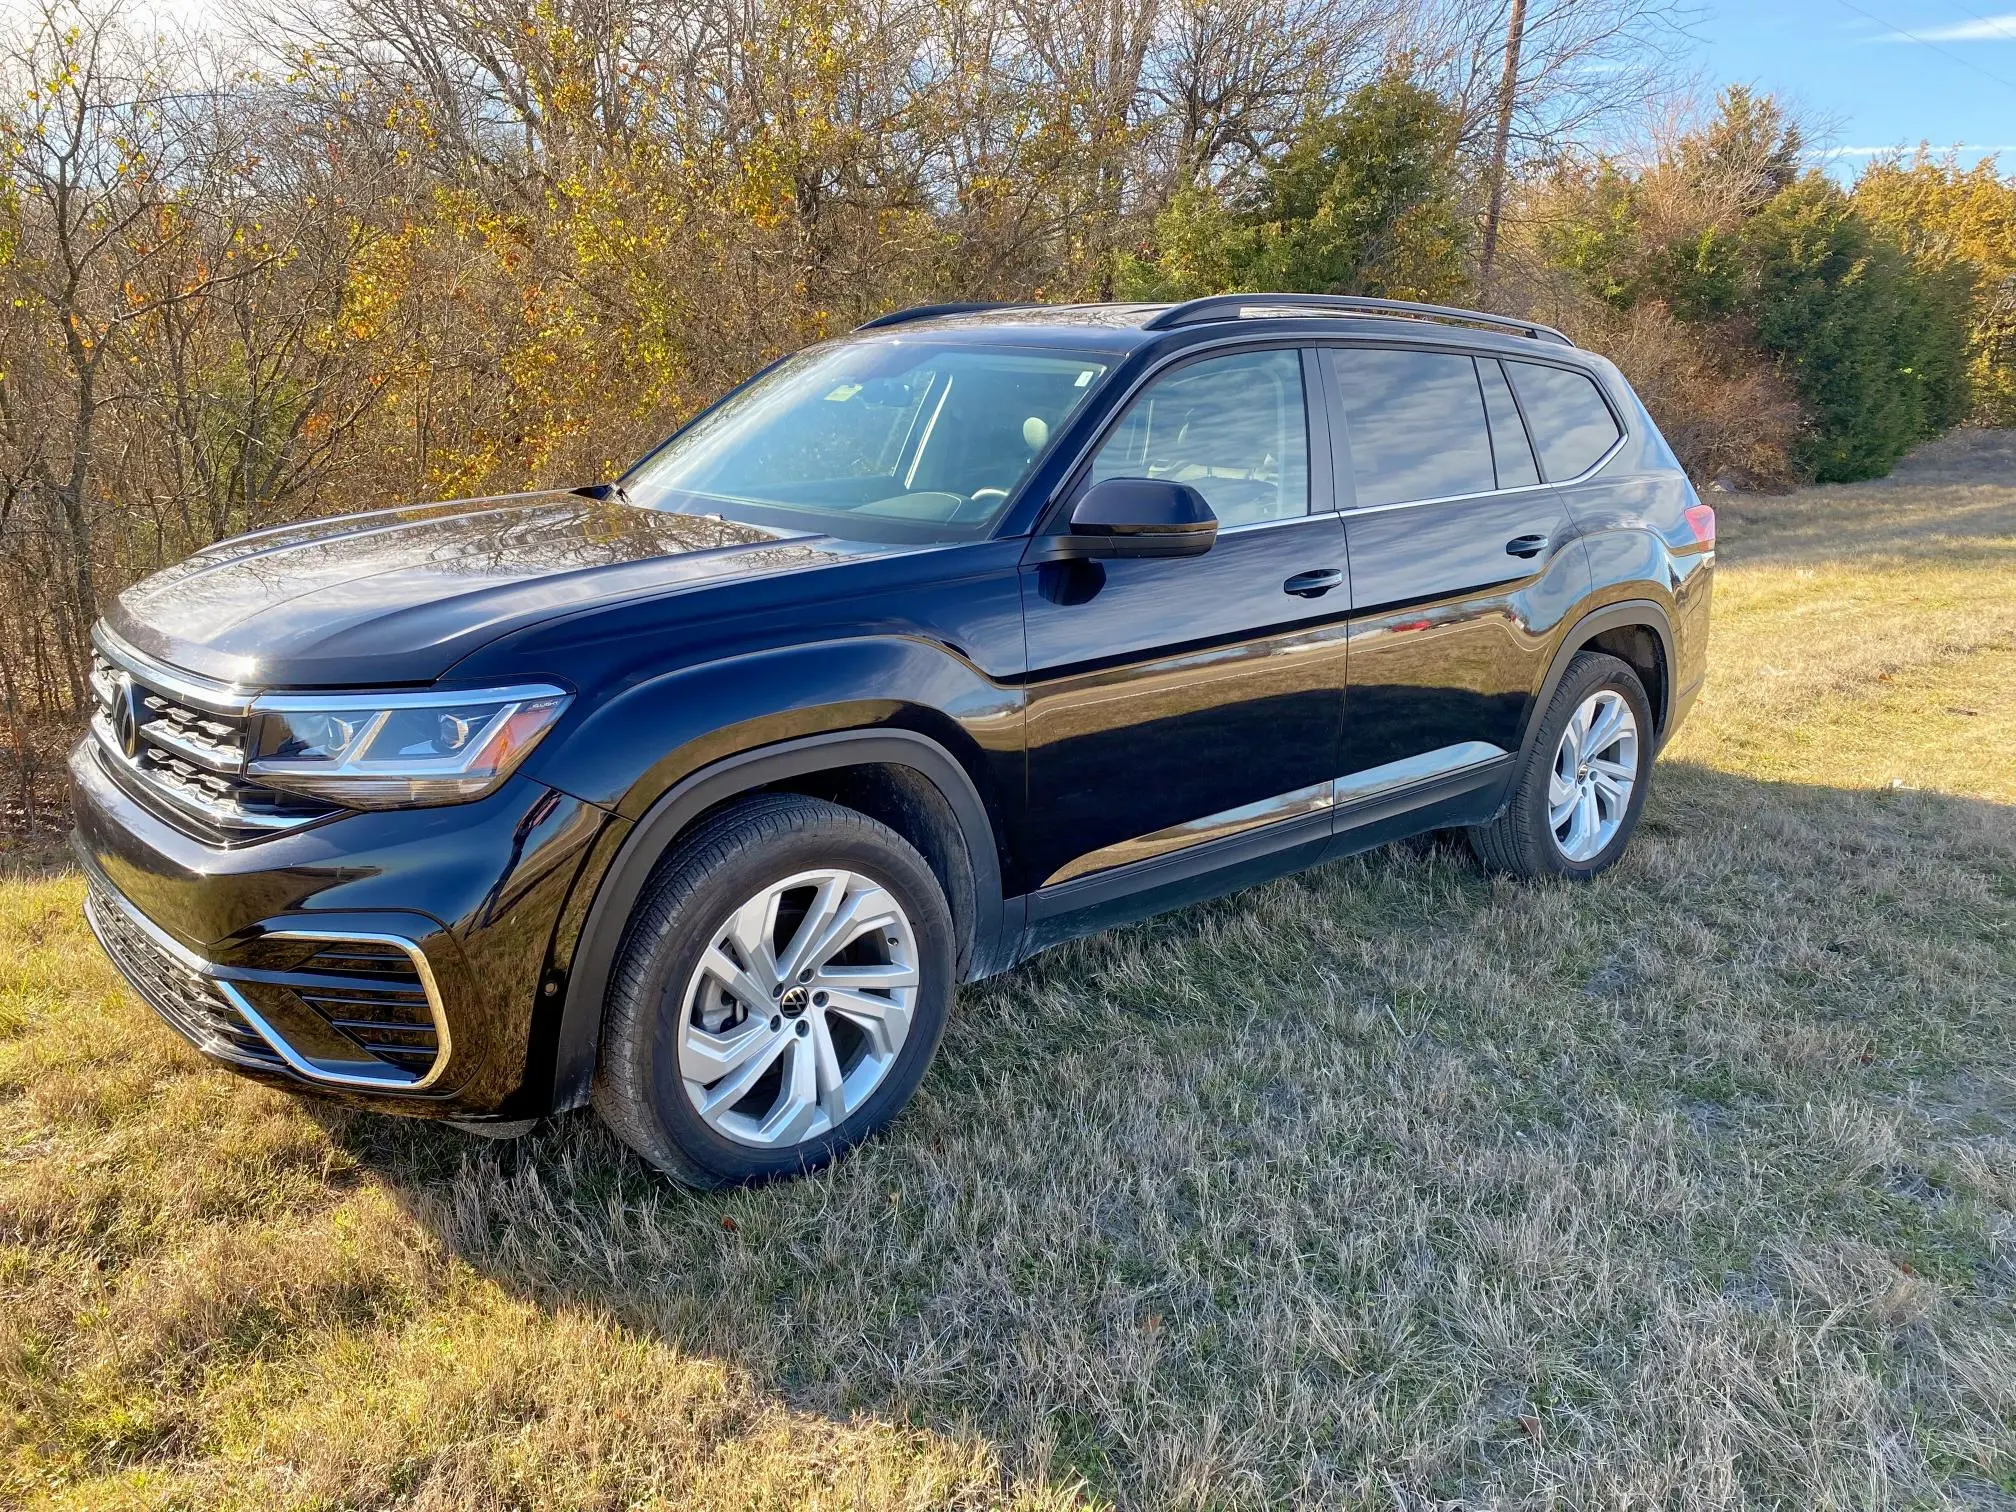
1981	29
1834	152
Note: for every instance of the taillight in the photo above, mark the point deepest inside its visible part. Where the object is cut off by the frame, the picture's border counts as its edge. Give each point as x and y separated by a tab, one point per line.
1701	520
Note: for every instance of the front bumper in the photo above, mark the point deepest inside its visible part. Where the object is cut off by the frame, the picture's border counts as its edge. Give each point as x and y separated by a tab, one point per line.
395	960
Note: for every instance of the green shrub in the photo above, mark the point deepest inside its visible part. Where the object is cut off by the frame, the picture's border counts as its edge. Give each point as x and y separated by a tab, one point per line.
1876	345
1366	200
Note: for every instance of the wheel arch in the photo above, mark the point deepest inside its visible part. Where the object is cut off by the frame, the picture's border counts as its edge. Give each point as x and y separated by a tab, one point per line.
1638	632
890	774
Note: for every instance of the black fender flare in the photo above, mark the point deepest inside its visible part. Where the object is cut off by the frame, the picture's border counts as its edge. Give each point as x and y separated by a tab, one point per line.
623	882
1628	613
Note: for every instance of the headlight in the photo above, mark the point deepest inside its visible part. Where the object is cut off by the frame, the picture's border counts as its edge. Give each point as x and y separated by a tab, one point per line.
393	750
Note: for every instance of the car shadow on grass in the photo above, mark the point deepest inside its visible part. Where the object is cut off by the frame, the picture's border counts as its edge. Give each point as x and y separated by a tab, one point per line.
1393	1181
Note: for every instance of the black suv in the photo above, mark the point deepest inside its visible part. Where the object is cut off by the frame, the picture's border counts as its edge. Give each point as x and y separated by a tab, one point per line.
695	794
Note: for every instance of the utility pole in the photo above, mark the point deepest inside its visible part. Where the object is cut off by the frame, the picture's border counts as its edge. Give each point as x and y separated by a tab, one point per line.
1508	88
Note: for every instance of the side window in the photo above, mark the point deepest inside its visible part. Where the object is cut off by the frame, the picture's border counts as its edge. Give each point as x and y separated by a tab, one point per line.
1234	428
1509	447
1416	421
1572	426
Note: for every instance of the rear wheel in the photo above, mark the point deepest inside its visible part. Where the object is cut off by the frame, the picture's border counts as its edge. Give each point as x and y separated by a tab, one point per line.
1576	799
779	994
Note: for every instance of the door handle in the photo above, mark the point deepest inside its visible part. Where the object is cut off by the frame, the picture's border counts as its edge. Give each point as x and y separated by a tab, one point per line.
1526	545
1314	584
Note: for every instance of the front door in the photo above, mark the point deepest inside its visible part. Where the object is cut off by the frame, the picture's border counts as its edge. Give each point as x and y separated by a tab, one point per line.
1462	563
1178	703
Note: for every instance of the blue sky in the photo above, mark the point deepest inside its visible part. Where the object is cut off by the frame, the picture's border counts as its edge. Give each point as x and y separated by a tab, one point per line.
1881	73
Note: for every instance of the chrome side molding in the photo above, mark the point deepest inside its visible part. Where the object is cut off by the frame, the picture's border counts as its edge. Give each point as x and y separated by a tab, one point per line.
1234	821
1338	792
1446	761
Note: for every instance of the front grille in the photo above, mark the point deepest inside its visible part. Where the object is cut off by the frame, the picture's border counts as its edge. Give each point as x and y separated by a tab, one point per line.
173	988
187	755
215	740
373	996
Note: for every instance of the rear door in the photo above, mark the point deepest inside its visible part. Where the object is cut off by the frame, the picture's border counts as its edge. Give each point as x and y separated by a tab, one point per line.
1177	703
1462	562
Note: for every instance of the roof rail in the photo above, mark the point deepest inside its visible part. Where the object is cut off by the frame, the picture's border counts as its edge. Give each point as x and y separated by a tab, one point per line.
1234	306
925	312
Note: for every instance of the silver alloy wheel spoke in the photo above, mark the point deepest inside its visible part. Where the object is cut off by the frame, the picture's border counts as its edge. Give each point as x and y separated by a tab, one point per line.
831	897
1594	773
871	978
752	927
782	1039
731	1088
883	1022
707	1058
831	1081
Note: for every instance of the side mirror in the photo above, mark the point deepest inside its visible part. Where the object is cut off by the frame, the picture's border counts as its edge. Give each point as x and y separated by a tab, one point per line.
1136	517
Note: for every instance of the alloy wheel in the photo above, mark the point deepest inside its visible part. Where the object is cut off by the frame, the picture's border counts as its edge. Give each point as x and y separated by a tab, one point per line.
799	1008
1595	770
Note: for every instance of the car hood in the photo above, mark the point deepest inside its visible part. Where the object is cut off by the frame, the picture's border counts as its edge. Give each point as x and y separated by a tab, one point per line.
401	595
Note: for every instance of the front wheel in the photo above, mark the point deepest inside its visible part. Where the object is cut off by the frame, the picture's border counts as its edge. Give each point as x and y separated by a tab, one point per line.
1579	791
781	990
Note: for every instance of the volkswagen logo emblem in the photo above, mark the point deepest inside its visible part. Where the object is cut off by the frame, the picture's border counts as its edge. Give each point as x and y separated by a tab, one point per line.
128	712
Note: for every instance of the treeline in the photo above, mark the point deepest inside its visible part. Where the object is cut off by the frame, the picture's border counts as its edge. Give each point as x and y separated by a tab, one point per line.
1780	327
341	253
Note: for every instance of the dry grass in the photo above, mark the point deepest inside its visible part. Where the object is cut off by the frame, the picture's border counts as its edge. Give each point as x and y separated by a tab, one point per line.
1385	1186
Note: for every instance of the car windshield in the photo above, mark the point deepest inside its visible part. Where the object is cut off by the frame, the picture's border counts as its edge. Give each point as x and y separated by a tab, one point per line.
908	441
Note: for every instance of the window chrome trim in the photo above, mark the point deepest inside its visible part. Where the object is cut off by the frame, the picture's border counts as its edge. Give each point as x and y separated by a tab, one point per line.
1547	359
393	1080
1339	792
1301	519
1494	493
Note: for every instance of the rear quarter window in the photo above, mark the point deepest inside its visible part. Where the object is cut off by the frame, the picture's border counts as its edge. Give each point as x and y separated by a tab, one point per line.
1571	425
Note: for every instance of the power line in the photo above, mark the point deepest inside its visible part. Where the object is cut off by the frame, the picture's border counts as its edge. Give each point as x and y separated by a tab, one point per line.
1914	37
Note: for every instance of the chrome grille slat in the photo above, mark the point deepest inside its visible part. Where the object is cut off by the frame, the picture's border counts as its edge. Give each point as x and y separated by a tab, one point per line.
204	739
190	755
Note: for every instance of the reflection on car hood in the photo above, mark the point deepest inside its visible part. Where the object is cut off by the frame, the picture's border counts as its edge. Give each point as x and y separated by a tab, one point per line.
400	595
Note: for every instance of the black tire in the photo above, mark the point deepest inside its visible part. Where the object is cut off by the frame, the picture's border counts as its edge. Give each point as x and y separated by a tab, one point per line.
1520	842
730	857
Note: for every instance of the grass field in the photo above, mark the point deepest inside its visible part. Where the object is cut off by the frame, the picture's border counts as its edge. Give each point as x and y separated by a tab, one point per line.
1384	1186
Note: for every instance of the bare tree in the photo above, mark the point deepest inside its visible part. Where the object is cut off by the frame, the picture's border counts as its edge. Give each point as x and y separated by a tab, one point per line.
1508	99
104	141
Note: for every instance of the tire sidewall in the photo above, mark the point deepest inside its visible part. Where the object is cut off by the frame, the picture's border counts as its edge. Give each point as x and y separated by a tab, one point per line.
674	954
1589	675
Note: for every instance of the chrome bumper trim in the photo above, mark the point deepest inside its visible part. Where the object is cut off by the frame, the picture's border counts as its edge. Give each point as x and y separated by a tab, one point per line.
391	1079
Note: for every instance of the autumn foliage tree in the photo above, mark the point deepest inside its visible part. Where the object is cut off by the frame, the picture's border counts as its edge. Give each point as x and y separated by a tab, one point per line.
336	254
1962	222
